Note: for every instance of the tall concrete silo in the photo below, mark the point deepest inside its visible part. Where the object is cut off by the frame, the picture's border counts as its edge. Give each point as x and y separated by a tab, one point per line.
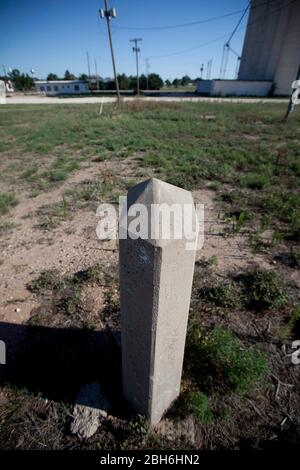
271	48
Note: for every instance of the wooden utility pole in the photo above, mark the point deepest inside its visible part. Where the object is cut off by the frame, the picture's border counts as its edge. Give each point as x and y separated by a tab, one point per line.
89	68
136	49
97	77
147	72
108	14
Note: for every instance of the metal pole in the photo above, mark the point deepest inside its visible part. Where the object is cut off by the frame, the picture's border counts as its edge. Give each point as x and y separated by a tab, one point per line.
107	15
88	64
137	70
97	78
136	49
147	73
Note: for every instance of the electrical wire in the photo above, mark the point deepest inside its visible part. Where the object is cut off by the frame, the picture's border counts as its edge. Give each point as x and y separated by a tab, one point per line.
192	23
182	25
219	37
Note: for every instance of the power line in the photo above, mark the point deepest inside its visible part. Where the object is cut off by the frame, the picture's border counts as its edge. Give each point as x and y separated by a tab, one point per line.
192	23
220	37
182	25
190	48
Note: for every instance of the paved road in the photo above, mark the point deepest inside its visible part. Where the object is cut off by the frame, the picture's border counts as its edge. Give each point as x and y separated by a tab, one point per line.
92	99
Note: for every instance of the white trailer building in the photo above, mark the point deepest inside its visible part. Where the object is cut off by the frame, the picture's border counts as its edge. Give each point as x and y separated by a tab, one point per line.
62	87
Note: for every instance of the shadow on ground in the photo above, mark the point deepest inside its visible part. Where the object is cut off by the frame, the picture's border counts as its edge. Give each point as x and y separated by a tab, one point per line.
56	362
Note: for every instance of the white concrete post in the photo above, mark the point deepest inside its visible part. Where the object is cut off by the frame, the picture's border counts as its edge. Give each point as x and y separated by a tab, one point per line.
155	280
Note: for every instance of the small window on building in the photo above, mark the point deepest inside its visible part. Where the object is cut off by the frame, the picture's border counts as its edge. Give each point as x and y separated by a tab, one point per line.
42	88
76	87
68	86
48	88
55	88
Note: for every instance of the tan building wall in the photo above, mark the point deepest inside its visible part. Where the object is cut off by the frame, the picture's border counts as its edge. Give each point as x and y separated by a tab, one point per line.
271	48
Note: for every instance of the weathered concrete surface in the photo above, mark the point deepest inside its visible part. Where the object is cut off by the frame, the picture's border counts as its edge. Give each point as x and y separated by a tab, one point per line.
155	279
271	45
91	406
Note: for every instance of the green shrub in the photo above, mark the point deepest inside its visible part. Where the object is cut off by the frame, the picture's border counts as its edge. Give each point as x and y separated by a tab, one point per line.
263	290
292	326
296	258
47	280
242	368
254	181
224	295
217	361
199	405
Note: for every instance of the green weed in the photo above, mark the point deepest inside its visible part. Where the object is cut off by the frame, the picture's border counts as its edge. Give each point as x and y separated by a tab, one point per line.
217	361
7	201
263	290
198	405
223	295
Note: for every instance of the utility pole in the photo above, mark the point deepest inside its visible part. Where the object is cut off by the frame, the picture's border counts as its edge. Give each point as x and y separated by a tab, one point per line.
108	14
208	69
201	70
147	72
97	77
88	64
136	49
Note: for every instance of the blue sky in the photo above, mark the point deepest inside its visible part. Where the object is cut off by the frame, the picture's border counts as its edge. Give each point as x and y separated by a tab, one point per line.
54	35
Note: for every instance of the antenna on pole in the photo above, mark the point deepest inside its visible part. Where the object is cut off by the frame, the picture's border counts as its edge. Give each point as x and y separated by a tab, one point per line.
201	70
108	14
136	49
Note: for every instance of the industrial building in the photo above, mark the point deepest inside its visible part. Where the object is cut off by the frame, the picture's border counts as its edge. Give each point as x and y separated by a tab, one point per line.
62	87
271	52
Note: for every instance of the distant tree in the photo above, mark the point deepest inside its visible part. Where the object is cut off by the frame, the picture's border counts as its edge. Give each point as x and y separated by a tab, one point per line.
69	76
132	82
83	76
168	82
20	80
110	85
101	84
52	76
176	82
155	81
124	82
143	82
185	80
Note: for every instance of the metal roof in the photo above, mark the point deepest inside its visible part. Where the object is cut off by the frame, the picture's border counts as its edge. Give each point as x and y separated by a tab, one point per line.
59	82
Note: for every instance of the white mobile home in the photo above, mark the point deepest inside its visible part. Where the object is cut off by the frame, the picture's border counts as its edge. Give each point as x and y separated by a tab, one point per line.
62	87
234	87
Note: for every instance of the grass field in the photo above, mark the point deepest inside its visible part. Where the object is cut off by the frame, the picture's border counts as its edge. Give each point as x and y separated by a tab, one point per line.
243	148
57	163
